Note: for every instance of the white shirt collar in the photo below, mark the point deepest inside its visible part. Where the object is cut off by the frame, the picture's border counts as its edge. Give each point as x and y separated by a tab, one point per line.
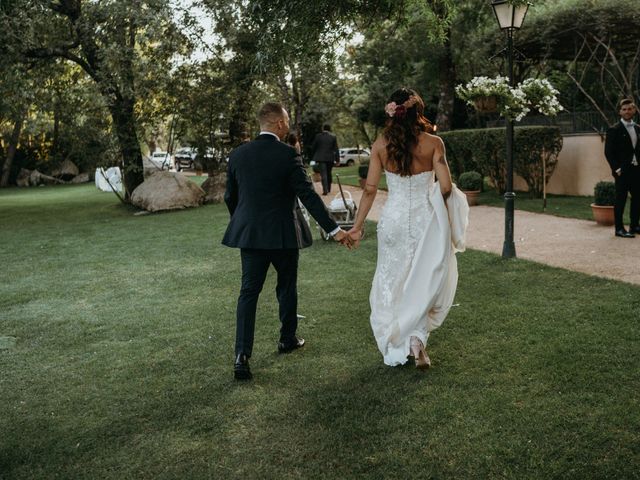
627	124
264	132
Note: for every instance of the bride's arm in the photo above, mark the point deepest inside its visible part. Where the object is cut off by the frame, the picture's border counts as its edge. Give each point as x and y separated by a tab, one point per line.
442	168
370	191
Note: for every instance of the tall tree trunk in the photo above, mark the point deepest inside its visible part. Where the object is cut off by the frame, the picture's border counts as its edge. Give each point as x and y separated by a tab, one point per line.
11	151
125	126
446	86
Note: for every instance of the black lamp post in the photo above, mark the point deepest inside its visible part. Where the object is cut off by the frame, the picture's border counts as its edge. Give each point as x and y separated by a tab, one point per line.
510	16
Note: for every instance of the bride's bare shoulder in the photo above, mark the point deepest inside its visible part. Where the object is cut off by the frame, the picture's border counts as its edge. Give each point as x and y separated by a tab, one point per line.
430	139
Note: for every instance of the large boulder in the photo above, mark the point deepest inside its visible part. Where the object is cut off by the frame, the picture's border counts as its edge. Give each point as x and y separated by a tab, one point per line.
23	177
167	191
214	187
37	178
80	178
66	171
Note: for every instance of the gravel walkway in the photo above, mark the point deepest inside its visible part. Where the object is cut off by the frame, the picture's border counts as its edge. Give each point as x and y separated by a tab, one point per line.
578	245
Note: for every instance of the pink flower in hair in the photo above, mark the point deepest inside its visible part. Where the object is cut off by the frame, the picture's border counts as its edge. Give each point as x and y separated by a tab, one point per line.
390	109
399	111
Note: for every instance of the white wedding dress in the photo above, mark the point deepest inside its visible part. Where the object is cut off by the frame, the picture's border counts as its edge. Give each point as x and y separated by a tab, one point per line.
417	273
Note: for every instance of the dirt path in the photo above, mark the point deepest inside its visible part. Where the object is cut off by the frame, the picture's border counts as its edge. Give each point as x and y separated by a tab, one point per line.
578	245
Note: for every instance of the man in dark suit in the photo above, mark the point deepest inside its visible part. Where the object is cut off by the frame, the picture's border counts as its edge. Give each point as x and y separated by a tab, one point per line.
325	154
263	180
622	149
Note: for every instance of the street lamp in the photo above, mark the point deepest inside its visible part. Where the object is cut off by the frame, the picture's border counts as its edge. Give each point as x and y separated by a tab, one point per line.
510	15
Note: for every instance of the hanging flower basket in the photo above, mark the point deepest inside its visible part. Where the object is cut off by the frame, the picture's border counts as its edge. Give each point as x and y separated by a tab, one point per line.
486	104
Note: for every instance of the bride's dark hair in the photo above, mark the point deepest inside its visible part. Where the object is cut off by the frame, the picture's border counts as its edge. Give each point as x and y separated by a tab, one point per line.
405	122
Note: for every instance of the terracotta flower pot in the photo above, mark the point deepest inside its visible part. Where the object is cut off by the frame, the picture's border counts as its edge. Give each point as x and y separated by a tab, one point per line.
486	104
603	214
472	196
316	177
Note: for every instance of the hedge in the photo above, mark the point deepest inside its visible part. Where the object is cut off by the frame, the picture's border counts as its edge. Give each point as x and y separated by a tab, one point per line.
484	150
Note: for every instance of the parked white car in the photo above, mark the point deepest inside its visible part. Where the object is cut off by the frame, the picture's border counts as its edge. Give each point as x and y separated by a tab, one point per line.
351	156
161	160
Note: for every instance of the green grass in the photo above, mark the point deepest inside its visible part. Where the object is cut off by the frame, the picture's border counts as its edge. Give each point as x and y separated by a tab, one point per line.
122	361
559	205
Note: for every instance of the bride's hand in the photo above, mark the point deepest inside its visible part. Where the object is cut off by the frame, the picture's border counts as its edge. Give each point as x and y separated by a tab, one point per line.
356	235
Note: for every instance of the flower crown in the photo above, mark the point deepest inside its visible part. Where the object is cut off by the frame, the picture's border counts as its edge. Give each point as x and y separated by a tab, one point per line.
399	111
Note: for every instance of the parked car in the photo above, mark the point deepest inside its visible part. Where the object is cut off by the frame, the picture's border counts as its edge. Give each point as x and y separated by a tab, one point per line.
161	160
349	156
185	158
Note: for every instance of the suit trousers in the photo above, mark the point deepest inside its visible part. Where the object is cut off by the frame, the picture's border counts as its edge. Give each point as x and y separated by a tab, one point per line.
255	264
325	173
627	183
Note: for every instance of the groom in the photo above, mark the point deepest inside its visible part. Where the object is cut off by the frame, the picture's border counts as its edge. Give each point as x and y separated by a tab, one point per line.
263	180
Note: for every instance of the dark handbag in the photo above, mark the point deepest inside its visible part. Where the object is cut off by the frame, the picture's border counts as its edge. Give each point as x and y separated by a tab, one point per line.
303	232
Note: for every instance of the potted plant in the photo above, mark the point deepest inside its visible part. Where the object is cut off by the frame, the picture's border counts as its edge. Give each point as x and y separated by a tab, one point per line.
541	96
471	185
495	95
604	198
363	171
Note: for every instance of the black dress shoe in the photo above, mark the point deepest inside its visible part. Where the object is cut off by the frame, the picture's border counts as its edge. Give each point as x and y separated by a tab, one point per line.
287	347
635	230
624	234
241	368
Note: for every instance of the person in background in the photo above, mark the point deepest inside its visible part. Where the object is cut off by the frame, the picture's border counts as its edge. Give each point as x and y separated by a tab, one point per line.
622	150
325	153
292	139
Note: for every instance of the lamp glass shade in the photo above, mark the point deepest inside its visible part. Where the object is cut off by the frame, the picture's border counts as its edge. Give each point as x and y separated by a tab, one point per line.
509	16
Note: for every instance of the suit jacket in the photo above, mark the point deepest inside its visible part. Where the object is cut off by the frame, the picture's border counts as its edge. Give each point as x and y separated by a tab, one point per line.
263	179
618	148
325	148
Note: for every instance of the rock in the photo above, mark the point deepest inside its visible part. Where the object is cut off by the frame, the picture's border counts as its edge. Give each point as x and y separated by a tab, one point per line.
167	191
80	178
214	188
23	177
36	178
66	171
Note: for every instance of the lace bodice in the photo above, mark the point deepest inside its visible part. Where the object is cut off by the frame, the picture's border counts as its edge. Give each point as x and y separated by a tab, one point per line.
408	206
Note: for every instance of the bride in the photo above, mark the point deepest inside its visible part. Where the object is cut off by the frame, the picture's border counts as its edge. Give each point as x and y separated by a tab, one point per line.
416	275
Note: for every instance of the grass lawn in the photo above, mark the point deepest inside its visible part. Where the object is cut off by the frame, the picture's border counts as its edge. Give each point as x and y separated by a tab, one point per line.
121	365
559	205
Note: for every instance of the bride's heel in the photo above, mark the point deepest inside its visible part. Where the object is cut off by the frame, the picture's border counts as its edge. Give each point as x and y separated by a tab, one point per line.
417	352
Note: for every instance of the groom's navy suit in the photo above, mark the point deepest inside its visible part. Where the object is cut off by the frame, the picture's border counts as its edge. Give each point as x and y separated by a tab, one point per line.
263	180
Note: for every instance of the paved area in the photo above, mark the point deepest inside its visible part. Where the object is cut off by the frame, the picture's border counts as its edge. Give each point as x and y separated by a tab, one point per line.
578	245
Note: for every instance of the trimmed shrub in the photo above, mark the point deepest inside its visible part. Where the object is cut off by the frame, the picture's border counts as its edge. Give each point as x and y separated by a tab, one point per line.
470	181
605	194
363	169
484	150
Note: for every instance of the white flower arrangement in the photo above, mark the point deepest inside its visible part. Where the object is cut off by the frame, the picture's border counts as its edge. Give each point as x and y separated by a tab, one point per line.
542	96
513	103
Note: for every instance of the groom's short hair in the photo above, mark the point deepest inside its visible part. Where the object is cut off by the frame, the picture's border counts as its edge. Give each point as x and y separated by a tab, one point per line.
625	101
270	112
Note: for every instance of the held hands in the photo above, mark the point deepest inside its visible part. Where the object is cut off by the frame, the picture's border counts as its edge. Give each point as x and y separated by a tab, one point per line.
356	235
344	239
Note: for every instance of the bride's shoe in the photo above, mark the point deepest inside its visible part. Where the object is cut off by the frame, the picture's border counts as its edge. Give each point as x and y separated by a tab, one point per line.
417	352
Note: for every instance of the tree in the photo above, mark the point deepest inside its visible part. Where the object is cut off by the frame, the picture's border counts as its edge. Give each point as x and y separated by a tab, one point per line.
594	43
116	43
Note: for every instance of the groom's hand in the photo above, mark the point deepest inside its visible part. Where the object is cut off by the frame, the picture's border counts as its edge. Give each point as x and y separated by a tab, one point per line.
342	237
